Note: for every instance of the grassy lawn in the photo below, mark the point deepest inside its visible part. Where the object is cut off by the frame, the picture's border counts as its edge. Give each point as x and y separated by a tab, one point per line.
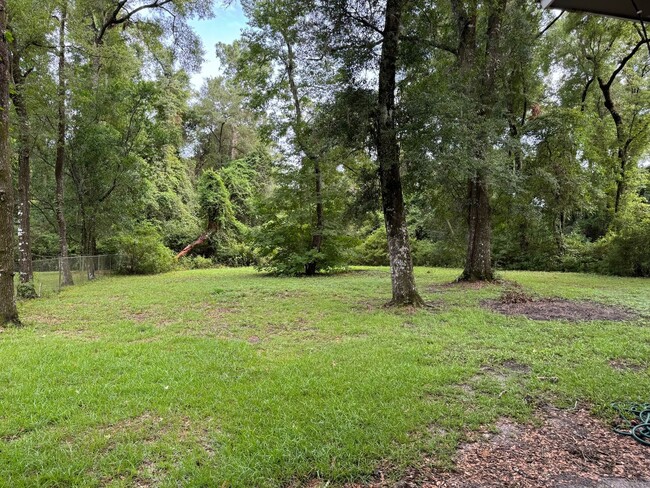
230	378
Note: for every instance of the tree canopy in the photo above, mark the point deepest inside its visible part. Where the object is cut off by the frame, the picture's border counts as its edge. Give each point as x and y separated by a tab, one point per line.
479	135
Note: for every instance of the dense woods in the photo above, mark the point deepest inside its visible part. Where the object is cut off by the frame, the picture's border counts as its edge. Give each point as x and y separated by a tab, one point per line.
479	135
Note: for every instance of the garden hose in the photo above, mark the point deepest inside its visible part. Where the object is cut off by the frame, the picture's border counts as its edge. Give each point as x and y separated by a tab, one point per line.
633	420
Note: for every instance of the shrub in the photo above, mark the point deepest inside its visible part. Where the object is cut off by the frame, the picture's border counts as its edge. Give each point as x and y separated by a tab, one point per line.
443	254
284	247
196	262
582	256
627	253
236	254
143	252
26	291
373	251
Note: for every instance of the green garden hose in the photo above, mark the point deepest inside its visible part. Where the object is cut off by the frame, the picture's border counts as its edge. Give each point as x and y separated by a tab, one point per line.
633	420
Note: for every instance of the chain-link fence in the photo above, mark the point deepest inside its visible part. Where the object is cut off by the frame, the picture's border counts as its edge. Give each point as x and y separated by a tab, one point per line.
50	275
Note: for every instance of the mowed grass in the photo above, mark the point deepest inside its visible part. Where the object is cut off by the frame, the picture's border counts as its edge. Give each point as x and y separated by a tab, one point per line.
231	378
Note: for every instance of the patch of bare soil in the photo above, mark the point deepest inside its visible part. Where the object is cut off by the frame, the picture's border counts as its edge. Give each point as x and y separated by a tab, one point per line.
625	365
570	449
558	309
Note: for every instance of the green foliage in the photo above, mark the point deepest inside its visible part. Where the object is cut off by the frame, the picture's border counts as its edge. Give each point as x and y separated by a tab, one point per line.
627	253
284	246
284	241
26	291
142	251
214	201
442	254
237	253
196	262
581	255
373	251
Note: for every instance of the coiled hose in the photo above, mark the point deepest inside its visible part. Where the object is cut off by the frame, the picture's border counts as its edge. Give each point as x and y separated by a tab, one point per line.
633	420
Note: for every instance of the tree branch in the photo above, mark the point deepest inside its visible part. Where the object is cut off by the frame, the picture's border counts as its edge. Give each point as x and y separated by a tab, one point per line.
624	61
543	31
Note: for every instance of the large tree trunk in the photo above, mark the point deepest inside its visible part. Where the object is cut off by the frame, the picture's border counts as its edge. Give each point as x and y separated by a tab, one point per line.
24	171
478	262
8	312
59	170
388	157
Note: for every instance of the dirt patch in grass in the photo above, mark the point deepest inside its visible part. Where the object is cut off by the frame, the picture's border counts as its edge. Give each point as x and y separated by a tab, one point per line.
516	367
499	373
571	448
626	365
148	429
559	309
253	333
217	313
141	317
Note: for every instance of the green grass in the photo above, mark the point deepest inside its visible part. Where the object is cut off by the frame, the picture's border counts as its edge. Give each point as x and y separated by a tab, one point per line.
230	378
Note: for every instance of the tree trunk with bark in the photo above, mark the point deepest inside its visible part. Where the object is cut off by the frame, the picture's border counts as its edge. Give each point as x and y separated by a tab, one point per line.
59	170
8	311
623	142
24	170
478	262
88	243
388	157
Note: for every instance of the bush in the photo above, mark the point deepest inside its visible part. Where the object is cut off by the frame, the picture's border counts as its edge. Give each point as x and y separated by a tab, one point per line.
26	291
582	256
236	255
143	252
373	251
284	248
627	253
442	254
196	262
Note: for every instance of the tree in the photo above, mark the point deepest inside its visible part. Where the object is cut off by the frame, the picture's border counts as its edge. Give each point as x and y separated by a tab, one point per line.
277	45
388	158
368	37
223	128
59	170
8	311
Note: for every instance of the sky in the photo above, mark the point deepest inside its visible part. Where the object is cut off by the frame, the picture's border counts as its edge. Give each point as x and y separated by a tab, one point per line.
225	26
